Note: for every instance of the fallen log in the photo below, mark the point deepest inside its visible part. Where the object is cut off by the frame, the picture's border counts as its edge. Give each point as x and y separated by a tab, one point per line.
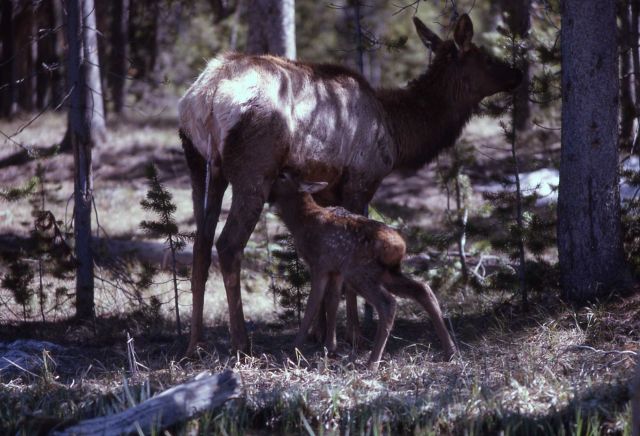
178	404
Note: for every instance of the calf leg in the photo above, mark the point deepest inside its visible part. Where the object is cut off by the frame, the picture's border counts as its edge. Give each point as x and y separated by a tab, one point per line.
356	200
331	301
385	306
319	327
403	286
318	287
353	325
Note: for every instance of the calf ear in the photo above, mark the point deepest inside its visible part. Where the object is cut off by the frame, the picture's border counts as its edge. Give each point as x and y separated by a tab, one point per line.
463	32
428	38
312	187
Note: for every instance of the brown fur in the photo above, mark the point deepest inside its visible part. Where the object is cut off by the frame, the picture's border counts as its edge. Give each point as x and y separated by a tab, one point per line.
338	245
250	116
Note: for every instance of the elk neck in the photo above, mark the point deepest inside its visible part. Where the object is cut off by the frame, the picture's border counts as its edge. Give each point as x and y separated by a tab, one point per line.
295	210
427	116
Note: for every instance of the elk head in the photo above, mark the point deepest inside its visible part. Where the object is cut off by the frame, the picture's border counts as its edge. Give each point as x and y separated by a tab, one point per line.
471	72
290	183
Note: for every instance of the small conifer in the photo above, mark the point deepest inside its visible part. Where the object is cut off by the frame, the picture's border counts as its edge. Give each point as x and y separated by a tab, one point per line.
160	201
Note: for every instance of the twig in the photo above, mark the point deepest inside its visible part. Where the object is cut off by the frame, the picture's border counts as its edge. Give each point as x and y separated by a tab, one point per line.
20	368
605	352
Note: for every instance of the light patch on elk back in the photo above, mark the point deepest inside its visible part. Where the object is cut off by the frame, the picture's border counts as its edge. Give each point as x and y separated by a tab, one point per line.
339	124
331	119
214	103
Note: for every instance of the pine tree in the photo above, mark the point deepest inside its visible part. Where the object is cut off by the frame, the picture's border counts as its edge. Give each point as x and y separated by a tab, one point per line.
160	201
51	251
589	215
295	280
19	280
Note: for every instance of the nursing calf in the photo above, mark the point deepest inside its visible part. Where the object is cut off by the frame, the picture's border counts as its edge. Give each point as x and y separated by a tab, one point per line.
339	246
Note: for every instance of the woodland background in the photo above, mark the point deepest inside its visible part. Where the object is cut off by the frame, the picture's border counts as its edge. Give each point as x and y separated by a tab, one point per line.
96	216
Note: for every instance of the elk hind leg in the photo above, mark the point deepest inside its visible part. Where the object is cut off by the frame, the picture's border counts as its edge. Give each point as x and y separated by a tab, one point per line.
206	222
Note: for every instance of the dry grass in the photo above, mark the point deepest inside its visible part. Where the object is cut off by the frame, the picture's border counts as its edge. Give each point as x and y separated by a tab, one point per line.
546	372
555	370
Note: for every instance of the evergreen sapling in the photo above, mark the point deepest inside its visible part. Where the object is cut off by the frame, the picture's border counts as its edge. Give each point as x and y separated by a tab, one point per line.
160	201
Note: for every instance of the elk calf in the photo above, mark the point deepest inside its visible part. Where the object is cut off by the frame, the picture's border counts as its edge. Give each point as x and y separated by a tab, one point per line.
341	246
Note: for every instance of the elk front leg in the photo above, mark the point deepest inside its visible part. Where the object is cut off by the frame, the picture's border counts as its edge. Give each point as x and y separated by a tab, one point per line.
243	217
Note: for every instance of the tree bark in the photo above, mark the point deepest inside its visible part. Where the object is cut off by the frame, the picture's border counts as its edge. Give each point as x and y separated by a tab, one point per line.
93	96
627	109
143	36
635	56
86	129
25	28
49	79
8	101
589	228
272	28
519	21
222	9
635	401
119	53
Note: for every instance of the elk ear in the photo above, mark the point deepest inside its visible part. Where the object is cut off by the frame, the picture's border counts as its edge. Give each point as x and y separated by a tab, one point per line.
428	38
312	187
463	32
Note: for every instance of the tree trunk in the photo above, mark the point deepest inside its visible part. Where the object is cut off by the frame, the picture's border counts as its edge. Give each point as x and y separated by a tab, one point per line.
93	96
635	56
143	36
49	79
222	9
589	228
26	58
519	21
627	110
43	57
272	28
635	402
57	81
8	94
119	53
86	129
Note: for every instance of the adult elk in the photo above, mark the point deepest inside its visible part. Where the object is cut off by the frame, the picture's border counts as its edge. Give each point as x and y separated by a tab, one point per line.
246	117
339	246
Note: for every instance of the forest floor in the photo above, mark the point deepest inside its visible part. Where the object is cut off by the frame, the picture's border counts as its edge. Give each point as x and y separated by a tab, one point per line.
557	368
